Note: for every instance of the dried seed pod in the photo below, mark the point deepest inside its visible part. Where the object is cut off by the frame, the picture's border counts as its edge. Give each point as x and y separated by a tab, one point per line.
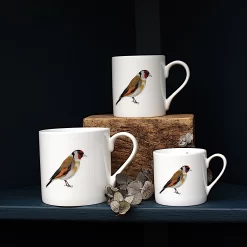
108	192
141	177
115	205
129	199
209	175
182	141
137	198
122	179
118	196
148	174
134	187
123	187
189	138
147	190
124	192
124	207
108	200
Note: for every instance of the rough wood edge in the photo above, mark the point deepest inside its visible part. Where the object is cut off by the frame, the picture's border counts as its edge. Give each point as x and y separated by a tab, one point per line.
110	116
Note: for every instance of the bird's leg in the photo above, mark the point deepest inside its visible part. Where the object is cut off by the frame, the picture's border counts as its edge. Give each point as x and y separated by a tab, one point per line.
176	191
134	100
67	184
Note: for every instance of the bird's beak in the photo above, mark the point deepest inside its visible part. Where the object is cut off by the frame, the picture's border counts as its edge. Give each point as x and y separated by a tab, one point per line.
150	75
84	155
190	170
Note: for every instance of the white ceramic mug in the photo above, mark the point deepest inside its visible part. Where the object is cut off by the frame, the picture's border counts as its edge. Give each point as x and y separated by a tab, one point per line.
75	164
139	85
180	176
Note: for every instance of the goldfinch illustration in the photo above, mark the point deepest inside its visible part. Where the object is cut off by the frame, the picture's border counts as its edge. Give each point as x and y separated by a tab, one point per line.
68	168
177	179
136	86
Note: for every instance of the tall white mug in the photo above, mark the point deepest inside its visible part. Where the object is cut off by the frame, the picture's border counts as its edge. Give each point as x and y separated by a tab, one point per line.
75	164
180	176
139	85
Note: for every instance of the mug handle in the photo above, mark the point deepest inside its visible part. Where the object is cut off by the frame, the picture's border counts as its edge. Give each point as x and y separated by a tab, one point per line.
166	69
208	188
131	157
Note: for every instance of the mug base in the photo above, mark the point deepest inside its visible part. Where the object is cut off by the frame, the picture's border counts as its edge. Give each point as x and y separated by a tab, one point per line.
139	116
71	204
182	204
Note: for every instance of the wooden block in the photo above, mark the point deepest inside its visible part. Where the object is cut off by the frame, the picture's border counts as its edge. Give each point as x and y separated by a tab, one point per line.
151	134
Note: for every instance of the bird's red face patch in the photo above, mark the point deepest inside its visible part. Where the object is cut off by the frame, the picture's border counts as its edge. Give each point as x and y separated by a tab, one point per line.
187	168
80	154
146	73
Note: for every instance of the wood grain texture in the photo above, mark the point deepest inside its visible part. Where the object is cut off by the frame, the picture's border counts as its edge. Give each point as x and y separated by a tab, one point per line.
151	134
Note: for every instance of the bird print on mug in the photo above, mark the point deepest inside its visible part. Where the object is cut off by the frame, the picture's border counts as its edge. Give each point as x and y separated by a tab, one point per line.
68	168
177	179
136	86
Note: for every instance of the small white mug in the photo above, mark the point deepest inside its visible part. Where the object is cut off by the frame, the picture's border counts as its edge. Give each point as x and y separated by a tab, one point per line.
180	176
139	85
75	164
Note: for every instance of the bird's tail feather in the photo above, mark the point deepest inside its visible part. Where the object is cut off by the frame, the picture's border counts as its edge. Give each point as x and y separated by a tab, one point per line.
118	100
49	182
162	190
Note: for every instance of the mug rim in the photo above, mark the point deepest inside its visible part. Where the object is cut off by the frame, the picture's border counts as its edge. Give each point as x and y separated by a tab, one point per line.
73	130
136	56
177	151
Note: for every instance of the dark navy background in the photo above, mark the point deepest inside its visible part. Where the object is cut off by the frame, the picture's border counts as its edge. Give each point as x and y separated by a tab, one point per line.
55	69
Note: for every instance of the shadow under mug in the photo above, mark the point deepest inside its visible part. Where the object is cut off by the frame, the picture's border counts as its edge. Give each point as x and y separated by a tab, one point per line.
75	164
180	176
139	85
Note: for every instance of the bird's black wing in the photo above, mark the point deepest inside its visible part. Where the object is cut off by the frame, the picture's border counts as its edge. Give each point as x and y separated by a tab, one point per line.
63	171
55	174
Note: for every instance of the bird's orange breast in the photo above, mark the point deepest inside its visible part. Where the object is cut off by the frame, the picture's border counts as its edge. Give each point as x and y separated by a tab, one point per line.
62	172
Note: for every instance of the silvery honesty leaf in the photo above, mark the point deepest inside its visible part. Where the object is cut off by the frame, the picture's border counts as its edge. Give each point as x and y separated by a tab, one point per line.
121	179
147	190
189	137
147	173
129	180
108	201
134	187
114	188
108	191
110	187
182	141
137	198
115	206
124	207
129	199
117	196
124	192
123	187
141	177
209	175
